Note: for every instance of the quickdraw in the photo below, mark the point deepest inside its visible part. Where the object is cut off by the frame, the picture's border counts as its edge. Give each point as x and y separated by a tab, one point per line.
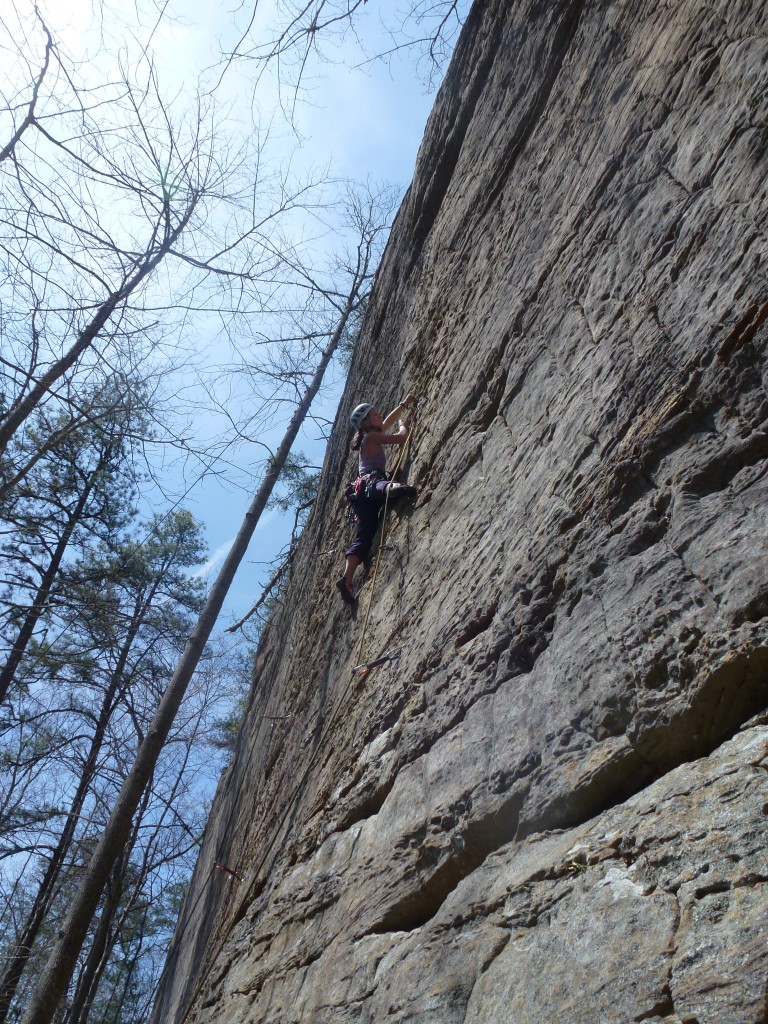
378	661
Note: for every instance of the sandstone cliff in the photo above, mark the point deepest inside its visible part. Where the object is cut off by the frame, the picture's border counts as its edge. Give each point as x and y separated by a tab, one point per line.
552	807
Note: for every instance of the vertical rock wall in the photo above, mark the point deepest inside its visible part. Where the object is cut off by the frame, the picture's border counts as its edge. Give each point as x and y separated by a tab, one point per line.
552	806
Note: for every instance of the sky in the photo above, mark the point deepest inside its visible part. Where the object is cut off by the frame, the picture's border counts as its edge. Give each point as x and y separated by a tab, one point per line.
353	121
362	122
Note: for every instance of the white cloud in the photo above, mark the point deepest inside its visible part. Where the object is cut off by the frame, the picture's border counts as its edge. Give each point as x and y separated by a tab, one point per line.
217	557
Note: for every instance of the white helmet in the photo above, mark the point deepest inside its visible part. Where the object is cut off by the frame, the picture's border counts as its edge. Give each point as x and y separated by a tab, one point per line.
359	414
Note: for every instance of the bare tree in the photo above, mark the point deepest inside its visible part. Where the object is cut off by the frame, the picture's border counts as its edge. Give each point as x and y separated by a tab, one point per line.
166	830
68	502
102	187
308	31
118	615
57	974
23	109
126	222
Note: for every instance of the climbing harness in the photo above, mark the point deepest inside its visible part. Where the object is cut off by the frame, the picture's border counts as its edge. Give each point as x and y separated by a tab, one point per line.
360	490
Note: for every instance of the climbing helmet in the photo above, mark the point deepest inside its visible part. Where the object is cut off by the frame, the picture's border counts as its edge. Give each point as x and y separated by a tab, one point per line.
359	414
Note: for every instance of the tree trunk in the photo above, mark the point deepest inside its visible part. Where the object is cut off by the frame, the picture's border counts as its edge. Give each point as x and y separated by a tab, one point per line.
46	891
106	934
101	947
55	978
24	406
37	607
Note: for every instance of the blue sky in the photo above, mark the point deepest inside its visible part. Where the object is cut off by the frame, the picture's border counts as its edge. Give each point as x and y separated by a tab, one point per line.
352	121
361	123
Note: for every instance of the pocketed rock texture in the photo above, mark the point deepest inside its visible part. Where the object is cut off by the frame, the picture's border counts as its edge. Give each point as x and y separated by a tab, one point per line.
552	806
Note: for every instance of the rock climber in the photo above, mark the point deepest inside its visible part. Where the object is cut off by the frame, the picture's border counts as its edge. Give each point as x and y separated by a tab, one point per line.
369	492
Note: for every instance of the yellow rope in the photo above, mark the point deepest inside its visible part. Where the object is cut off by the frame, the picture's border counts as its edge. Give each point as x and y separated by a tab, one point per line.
226	929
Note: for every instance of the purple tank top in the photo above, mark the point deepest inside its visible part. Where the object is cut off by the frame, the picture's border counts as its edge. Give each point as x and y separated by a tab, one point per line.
378	461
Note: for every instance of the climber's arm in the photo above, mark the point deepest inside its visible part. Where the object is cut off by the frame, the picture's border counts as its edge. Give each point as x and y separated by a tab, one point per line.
391	418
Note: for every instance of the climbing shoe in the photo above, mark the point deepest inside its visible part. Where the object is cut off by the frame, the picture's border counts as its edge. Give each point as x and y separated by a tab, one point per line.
345	589
402	491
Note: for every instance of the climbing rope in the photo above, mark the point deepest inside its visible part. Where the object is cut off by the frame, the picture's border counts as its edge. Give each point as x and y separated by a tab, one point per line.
255	872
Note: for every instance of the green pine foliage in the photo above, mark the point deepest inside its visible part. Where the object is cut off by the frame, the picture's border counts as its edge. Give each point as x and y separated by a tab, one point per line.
95	606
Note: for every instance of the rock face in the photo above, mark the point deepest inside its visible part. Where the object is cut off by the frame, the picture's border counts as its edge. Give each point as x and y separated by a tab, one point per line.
553	805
